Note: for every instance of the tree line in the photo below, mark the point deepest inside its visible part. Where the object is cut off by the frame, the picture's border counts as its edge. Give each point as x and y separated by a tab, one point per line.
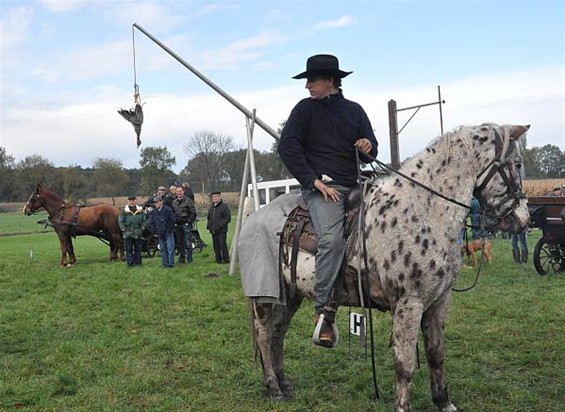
214	164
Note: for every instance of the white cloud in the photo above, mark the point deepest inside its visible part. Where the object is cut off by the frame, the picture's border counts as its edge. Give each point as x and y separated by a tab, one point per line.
343	21
15	30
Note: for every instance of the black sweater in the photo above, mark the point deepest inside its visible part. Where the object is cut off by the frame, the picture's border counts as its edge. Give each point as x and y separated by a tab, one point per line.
318	139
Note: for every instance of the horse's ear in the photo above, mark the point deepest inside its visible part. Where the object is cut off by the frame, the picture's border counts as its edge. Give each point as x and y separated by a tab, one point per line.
517	131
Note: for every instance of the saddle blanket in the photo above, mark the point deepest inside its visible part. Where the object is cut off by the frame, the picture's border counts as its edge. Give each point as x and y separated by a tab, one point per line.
258	248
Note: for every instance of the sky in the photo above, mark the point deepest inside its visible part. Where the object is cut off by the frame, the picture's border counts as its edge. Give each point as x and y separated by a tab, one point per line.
67	66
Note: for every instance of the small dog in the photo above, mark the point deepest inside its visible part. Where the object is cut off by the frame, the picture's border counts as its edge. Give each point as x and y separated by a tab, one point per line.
474	246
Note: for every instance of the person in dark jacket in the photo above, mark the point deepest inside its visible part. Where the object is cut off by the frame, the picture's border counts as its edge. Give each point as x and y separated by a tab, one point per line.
188	190
131	221
163	225
219	216
318	146
185	214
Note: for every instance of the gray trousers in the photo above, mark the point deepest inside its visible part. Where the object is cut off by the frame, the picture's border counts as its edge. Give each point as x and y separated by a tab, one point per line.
328	221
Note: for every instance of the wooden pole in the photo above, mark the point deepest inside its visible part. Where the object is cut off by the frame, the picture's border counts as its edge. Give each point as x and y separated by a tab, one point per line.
393	134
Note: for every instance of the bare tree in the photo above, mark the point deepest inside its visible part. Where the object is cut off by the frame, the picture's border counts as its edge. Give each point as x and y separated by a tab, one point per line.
207	151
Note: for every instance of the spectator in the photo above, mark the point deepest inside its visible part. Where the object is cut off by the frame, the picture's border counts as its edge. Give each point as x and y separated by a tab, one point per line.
188	191
556	191
476	220
163	225
170	196
131	221
161	192
219	216
185	214
519	240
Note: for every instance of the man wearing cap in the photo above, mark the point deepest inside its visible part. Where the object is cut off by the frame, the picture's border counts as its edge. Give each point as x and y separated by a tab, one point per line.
185	214
131	221
163	225
219	216
318	146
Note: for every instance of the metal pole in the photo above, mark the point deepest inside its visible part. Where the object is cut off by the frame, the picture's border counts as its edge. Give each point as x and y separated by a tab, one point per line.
249	163
242	195
251	155
440	112
198	74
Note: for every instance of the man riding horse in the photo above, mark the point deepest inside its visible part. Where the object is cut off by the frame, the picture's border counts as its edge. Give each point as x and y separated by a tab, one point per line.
318	146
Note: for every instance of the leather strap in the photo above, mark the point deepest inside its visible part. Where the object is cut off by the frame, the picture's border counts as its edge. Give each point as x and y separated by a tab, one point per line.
294	256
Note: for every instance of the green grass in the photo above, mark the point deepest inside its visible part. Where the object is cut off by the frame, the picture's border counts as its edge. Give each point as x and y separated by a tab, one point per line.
101	337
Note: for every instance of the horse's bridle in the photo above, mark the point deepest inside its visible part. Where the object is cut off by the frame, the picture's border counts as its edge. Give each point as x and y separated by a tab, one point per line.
501	165
35	195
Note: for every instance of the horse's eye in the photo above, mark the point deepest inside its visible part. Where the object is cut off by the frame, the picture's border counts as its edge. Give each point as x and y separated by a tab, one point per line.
519	165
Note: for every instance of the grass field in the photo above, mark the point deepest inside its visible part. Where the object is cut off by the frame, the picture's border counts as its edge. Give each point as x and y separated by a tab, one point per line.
101	337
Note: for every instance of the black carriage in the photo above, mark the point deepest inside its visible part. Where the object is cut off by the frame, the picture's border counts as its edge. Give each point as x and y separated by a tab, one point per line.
548	214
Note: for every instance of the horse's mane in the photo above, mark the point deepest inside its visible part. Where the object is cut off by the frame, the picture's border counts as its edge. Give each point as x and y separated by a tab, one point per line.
440	147
49	193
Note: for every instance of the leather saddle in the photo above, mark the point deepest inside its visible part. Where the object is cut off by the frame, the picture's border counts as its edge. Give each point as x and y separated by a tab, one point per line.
299	234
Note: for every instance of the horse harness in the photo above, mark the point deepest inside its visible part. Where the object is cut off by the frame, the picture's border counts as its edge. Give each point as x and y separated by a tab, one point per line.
498	165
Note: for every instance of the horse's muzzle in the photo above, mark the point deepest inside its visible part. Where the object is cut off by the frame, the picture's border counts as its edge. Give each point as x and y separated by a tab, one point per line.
516	221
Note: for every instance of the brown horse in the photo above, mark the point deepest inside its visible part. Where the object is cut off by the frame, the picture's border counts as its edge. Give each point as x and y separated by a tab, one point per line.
69	220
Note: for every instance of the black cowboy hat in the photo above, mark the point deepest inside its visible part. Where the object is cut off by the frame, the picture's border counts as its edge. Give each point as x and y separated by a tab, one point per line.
322	65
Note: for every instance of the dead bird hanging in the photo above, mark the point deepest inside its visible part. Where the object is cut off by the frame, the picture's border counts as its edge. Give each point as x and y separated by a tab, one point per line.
134	116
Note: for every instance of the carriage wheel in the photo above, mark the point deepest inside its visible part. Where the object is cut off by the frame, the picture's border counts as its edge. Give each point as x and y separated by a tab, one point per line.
549	258
197	244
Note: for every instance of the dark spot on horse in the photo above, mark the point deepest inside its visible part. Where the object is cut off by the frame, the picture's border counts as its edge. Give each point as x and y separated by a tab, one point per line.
419	166
425	245
401	277
407	257
393	256
432	264
386	265
413	174
394	222
383	226
400	246
476	137
418	239
400	291
414	218
395	203
405	211
416	272
440	273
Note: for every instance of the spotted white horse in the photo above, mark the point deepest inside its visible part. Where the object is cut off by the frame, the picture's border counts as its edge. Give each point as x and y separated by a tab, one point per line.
412	253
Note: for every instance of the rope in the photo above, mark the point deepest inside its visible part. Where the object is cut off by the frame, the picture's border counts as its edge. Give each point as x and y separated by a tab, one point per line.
366	278
135	85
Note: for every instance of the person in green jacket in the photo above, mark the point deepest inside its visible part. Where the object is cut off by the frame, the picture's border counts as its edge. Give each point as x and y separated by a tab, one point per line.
131	223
